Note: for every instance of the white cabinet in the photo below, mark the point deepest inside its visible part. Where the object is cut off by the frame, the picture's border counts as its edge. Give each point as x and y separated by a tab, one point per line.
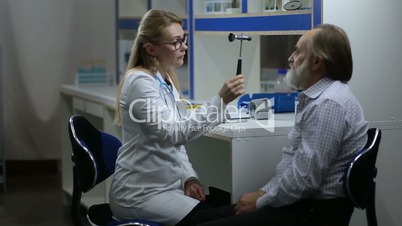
233	157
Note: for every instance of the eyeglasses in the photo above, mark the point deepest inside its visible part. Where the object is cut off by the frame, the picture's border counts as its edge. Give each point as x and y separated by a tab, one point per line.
178	44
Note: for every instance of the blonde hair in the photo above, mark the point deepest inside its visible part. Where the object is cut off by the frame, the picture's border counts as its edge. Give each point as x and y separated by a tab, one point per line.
150	30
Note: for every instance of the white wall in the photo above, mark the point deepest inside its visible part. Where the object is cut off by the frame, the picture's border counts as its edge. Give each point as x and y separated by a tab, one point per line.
44	42
375	31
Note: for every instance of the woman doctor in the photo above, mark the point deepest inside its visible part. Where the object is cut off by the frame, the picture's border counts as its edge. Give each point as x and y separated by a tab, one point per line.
154	179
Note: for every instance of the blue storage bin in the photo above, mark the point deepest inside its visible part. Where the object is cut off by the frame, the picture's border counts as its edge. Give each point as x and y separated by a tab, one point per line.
283	102
244	101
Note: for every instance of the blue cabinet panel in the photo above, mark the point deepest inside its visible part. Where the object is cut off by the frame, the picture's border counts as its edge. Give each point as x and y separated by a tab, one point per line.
128	24
290	22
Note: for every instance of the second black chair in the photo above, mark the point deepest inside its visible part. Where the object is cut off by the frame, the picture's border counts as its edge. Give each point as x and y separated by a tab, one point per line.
359	178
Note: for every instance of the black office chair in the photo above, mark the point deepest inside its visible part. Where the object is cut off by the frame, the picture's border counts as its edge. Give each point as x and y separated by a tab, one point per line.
359	181
94	157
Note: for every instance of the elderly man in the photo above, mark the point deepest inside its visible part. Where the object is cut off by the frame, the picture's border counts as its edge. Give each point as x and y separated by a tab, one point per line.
329	129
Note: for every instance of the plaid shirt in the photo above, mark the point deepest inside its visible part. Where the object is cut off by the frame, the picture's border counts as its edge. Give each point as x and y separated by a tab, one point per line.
329	129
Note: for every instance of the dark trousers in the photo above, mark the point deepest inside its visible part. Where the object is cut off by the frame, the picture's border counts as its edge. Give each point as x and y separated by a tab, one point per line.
216	198
331	212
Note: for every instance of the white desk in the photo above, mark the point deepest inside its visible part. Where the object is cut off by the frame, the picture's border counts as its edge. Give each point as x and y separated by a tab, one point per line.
232	157
238	160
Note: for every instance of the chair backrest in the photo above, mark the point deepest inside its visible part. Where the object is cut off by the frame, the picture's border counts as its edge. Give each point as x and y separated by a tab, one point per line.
94	156
94	152
359	176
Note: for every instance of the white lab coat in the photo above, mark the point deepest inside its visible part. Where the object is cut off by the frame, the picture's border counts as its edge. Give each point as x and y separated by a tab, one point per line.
152	164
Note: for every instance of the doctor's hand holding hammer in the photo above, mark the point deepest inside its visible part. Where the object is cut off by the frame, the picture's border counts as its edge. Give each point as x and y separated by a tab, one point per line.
232	89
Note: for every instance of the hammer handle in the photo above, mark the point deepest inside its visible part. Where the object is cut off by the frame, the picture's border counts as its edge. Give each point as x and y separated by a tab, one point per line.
238	66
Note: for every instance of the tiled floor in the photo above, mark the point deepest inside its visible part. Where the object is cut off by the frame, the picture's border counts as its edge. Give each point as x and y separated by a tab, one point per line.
34	199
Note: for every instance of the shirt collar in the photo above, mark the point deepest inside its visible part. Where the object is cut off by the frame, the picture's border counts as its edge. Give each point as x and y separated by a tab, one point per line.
316	89
159	76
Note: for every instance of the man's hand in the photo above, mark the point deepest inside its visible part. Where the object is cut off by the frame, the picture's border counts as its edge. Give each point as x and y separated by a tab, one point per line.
193	189
247	202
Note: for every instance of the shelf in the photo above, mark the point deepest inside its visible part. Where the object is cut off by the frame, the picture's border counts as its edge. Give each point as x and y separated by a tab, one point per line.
267	13
279	22
131	23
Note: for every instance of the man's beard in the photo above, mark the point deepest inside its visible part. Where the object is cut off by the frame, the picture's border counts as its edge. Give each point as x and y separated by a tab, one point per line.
297	78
